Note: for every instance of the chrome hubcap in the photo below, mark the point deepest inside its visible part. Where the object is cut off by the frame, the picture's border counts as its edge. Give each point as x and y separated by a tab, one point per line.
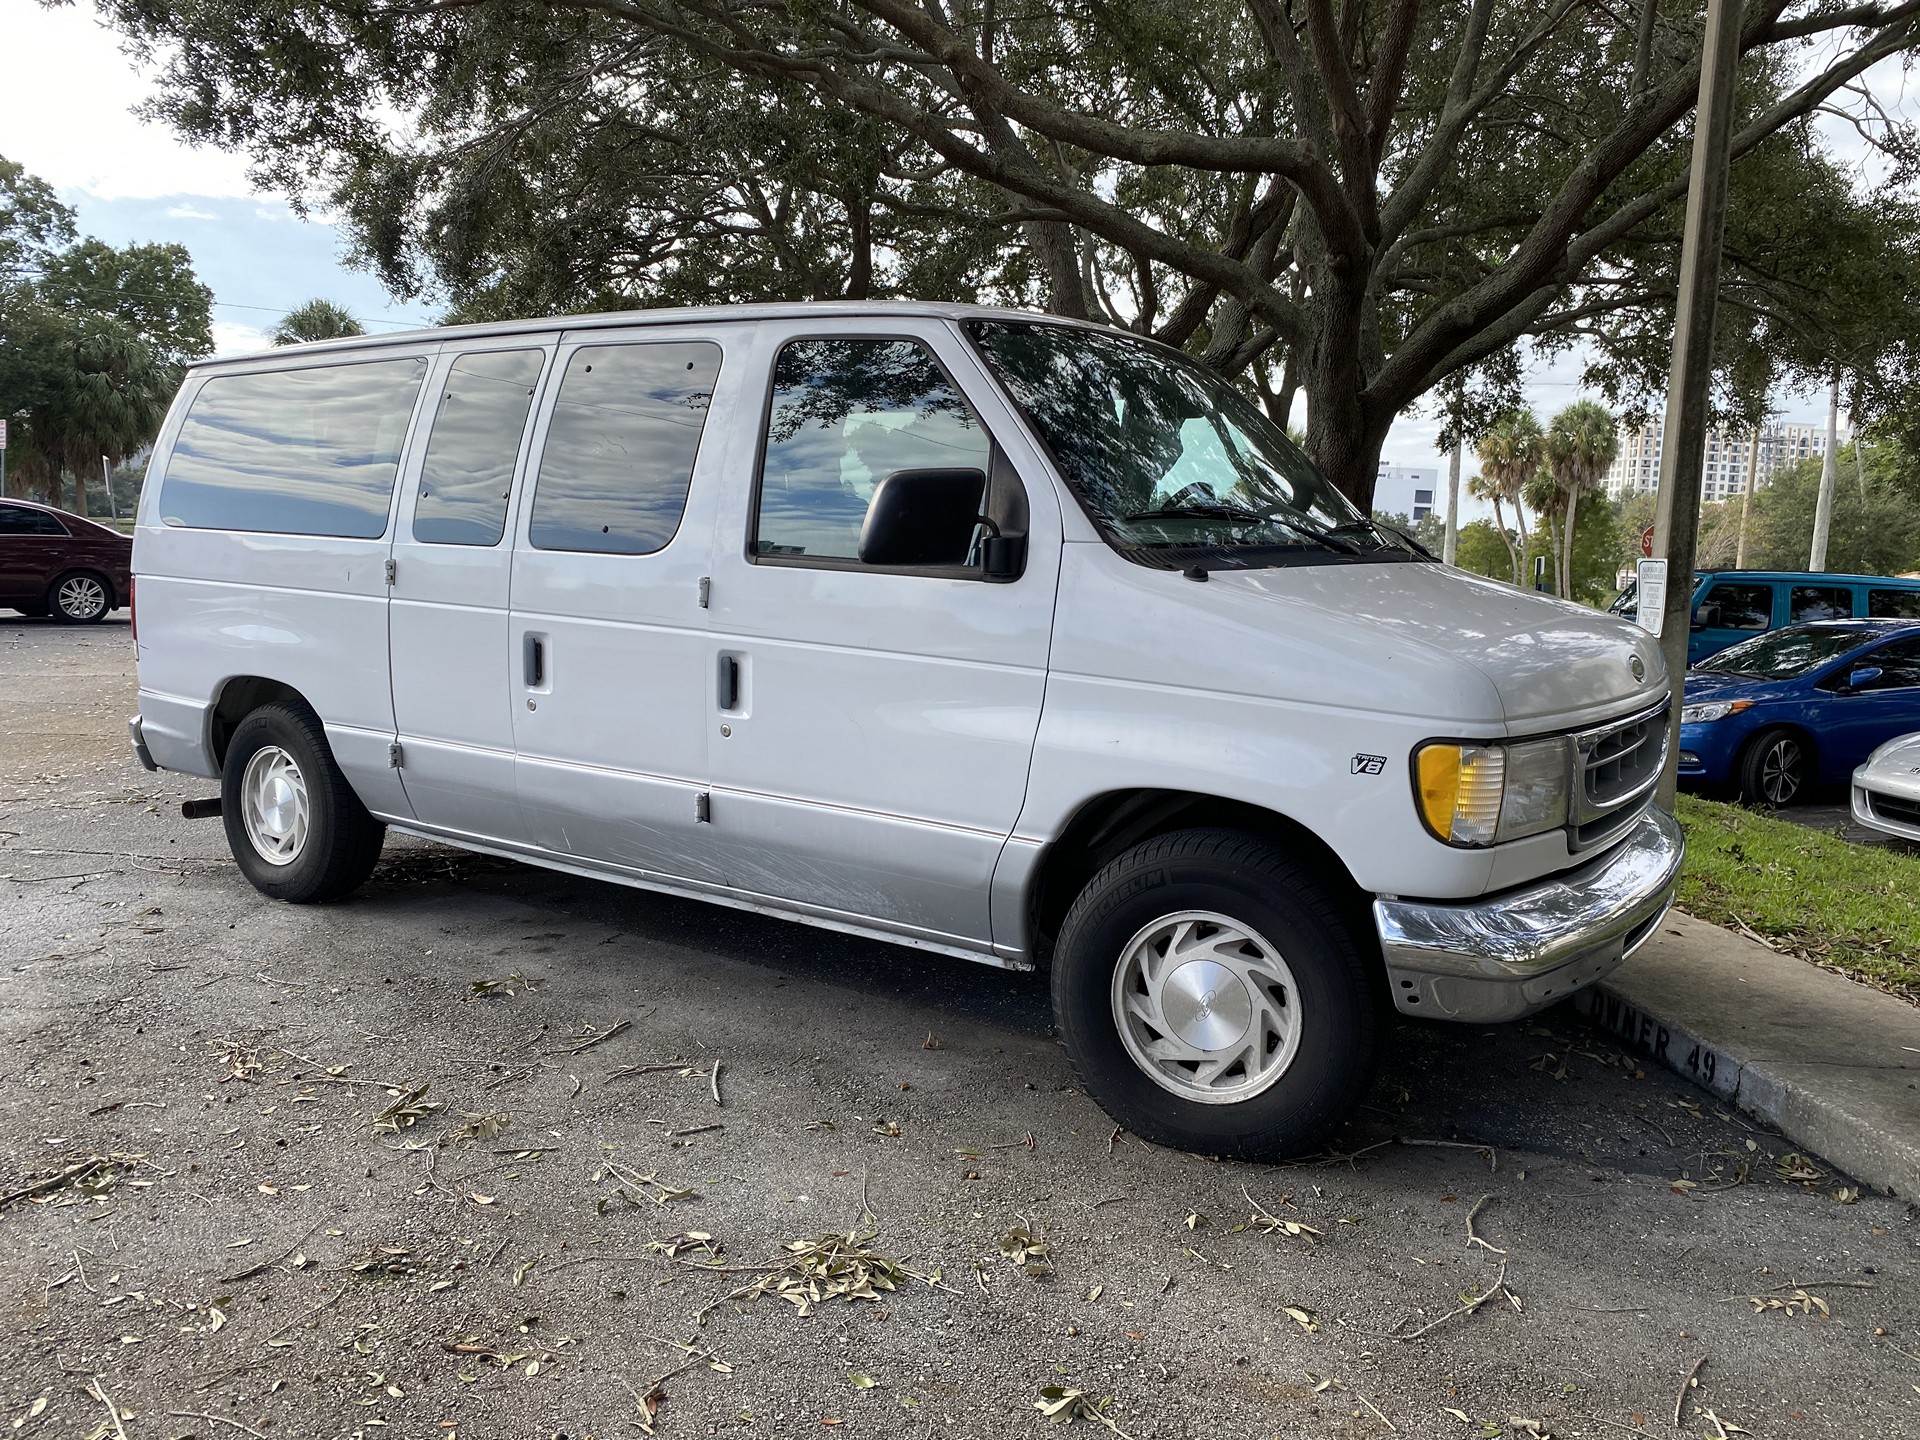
82	597
1780	772
1206	1007
273	802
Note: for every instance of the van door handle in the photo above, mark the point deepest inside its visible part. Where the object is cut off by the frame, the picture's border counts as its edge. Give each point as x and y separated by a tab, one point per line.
536	662
729	682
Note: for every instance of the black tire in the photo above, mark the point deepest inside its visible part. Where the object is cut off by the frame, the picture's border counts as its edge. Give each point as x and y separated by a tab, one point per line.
1775	769
340	843
80	597
1280	901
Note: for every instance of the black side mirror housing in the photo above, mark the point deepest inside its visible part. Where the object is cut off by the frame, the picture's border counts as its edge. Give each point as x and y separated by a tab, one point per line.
924	517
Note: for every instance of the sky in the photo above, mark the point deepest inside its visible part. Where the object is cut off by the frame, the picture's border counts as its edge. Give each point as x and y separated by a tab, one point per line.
130	180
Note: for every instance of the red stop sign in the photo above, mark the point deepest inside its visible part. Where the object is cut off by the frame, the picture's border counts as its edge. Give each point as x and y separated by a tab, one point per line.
1646	542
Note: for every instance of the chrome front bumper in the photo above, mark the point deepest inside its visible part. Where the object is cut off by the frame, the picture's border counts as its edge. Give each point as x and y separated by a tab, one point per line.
1508	955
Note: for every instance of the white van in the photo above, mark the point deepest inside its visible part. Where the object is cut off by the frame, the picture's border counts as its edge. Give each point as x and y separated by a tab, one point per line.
1010	638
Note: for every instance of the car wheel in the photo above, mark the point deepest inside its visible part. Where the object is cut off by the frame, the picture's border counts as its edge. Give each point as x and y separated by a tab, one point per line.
1774	769
295	827
80	597
1211	996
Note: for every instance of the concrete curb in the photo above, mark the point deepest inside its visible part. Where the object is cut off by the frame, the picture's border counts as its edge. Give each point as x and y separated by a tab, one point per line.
1830	1064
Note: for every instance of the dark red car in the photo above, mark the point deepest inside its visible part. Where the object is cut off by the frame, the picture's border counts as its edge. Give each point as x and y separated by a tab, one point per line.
53	563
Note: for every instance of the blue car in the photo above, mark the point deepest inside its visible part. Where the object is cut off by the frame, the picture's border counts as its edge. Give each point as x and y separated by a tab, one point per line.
1803	705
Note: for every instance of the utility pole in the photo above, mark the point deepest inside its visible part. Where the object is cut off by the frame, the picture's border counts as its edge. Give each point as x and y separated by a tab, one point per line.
1677	520
1829	472
1746	500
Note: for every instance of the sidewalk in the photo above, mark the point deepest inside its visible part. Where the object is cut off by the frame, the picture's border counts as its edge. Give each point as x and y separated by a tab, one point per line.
1833	1065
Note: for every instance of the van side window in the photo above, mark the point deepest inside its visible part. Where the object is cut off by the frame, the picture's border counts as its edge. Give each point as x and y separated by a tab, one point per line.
467	474
311	451
1819	602
621	446
846	414
1736	607
1894	604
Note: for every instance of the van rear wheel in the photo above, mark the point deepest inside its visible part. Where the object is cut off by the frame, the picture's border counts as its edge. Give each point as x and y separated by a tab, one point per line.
1212	997
296	829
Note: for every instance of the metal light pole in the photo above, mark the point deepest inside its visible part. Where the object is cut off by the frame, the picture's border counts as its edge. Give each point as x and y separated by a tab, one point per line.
1677	520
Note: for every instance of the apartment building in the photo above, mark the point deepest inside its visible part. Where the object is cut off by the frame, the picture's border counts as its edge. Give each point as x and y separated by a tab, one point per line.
1637	467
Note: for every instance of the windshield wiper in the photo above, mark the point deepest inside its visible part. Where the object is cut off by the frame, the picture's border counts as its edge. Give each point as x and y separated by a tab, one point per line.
1223	511
1389	536
1220	511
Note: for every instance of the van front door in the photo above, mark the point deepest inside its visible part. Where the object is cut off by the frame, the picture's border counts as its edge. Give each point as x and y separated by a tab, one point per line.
609	647
449	616
871	726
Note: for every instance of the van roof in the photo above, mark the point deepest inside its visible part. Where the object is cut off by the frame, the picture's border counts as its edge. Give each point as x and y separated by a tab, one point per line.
677	315
1904	580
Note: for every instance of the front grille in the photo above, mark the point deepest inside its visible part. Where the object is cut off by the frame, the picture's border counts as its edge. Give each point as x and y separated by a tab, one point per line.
1619	765
1890	807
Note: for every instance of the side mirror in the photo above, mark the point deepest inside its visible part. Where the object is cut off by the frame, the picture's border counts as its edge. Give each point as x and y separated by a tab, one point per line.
1862	676
923	517
1707	617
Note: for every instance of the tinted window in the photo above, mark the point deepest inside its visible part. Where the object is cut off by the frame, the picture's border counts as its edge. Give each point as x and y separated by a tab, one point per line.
1783	654
1819	602
1736	607
18	520
1899	665
468	471
294	452
846	414
1894	604
621	445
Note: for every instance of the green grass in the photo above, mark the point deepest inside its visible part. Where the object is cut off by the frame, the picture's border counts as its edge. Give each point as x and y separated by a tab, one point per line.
1850	908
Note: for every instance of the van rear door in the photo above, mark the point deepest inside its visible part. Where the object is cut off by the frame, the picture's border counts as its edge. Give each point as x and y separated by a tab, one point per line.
452	565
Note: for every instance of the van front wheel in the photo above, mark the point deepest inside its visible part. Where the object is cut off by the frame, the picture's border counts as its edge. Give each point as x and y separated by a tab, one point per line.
296	829
1211	997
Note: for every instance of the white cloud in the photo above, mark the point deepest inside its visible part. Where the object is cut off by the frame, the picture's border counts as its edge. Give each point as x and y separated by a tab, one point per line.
230	338
66	112
188	212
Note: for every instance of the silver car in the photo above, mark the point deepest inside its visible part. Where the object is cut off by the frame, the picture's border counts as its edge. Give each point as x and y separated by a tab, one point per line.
1886	790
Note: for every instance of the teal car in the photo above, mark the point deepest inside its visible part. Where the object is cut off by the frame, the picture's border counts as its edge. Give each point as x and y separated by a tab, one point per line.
1734	605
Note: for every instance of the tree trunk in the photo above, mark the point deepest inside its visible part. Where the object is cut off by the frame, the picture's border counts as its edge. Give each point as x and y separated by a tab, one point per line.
1566	550
1859	460
1343	436
1052	244
1506	539
1829	470
1450	546
1746	502
860	244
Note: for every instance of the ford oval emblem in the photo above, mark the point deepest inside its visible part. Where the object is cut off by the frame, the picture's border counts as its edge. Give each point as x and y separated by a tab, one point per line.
1638	667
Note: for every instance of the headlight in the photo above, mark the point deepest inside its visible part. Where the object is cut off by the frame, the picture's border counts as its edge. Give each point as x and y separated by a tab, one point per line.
1710	710
1484	794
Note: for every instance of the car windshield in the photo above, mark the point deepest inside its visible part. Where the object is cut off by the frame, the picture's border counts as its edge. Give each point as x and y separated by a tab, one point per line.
1784	654
1175	466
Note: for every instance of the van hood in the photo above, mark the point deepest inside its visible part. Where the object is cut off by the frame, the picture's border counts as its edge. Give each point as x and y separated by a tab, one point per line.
1550	662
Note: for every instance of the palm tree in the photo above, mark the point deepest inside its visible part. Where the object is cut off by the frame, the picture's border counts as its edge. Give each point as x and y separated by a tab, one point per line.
316	320
1579	446
1509	454
1544	494
1481	487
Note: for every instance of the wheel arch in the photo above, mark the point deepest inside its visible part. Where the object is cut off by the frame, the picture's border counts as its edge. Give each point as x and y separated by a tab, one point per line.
1107	825
238	697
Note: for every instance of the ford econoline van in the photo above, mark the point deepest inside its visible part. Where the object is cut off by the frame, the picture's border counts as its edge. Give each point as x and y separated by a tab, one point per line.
1009	638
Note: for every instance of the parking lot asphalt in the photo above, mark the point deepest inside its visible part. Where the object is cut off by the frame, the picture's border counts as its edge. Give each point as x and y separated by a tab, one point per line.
435	1161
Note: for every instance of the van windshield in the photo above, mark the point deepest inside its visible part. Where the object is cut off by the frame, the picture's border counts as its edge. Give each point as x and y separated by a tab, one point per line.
1174	465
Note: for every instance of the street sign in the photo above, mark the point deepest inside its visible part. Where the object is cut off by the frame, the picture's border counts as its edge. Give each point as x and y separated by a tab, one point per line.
1646	542
3	434
1650	588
